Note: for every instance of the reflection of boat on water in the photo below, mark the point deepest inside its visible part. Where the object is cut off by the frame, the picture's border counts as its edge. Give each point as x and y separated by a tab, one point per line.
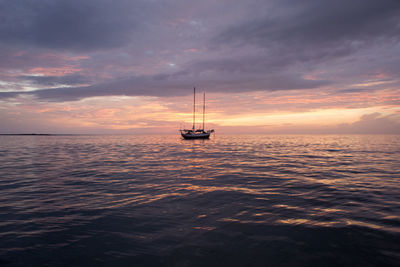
197	133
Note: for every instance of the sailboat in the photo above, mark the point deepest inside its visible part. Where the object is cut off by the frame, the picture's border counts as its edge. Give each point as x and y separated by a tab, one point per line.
197	133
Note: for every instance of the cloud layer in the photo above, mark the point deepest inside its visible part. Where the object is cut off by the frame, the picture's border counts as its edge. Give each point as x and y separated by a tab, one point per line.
61	51
262	46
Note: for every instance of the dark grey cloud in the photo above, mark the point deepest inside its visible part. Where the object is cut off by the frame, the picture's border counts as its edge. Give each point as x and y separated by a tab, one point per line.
312	32
238	47
158	85
319	23
74	25
163	85
70	79
353	90
373	123
303	36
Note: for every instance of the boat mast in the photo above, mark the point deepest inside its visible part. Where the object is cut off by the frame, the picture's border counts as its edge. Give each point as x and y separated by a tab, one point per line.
204	107
194	107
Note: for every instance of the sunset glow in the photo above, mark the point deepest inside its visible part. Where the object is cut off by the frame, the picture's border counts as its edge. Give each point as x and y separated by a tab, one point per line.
200	133
140	79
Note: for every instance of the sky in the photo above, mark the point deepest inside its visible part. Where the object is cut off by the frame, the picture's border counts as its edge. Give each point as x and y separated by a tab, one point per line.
272	66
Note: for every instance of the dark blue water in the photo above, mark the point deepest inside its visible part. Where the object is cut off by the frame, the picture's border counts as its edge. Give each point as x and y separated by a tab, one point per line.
228	201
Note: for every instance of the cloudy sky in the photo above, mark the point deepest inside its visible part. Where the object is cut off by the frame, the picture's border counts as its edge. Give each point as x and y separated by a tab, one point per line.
271	66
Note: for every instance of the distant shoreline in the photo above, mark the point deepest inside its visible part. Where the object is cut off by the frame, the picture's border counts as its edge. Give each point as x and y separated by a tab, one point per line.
37	134
28	134
46	134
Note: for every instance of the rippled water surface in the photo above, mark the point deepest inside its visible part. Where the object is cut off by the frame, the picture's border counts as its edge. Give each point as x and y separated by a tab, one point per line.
229	201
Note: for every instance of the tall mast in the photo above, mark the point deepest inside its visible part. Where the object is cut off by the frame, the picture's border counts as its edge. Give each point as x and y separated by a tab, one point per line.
204	107
194	107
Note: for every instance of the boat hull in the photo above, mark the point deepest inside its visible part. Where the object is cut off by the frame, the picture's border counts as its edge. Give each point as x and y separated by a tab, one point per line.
196	136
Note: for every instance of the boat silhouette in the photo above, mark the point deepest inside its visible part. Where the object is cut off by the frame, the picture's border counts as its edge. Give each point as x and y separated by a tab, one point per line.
197	133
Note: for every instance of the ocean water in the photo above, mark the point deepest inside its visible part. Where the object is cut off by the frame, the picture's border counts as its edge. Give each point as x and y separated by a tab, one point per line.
260	200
